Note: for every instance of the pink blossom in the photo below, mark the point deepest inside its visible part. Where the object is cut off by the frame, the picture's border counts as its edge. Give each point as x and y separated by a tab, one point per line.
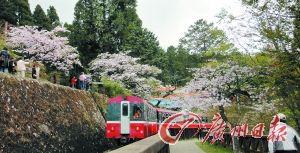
44	46
126	70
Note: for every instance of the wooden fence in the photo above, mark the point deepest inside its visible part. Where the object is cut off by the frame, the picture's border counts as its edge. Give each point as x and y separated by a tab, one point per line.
246	144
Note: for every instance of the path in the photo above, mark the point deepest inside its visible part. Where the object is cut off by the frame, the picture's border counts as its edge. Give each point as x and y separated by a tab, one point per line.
186	146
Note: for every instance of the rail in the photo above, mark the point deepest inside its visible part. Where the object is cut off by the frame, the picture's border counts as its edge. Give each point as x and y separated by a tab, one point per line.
151	144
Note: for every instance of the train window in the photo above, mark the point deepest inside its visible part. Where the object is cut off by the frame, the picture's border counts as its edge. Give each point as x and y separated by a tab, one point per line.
113	112
137	112
161	117
125	109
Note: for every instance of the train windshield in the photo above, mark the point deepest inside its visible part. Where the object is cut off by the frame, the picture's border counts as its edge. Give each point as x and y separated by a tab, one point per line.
113	112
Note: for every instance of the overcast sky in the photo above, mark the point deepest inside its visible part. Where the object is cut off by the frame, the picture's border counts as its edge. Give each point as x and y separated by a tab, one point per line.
167	19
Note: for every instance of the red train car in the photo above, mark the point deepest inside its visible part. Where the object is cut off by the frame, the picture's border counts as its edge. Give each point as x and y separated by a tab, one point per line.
130	117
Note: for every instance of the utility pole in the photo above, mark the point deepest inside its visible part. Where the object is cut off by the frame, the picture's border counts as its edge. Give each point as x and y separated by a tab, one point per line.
237	94
235	140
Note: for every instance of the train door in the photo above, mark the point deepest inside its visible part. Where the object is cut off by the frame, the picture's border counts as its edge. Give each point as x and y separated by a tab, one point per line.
125	117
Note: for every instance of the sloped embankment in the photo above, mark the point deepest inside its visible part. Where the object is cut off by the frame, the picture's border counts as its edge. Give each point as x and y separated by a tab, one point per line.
42	117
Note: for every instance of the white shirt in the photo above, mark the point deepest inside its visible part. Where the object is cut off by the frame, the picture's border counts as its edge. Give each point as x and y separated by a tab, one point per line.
37	72
288	144
82	77
21	65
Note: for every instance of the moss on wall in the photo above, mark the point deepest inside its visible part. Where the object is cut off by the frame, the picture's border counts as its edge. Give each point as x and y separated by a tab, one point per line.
42	117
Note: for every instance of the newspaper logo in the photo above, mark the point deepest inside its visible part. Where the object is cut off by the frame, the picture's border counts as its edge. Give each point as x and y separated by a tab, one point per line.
181	119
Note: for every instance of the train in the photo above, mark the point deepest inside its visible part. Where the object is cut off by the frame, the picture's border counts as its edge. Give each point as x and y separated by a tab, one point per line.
133	118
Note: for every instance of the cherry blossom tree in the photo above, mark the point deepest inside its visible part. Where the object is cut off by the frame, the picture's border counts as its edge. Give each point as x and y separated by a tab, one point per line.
45	46
126	70
219	86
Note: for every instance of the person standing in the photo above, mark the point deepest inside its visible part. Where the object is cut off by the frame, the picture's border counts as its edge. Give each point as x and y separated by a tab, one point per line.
88	82
82	82
5	59
33	72
1	64
11	66
290	144
73	82
53	78
21	68
37	68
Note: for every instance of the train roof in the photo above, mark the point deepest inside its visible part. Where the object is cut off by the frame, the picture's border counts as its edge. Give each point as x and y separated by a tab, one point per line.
138	100
166	110
132	99
165	103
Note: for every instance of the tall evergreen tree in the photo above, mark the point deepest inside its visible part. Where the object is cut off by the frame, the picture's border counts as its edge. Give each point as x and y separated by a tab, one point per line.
123	22
143	44
177	63
22	13
87	31
40	18
202	36
53	17
126	29
112	26
6	11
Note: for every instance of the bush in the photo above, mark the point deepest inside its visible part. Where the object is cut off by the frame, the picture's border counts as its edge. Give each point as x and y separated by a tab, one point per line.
2	42
113	88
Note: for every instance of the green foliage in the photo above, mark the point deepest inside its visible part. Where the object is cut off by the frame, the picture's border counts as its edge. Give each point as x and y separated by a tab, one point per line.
113	88
40	18
203	36
285	77
53	17
202	45
2	42
213	148
177	62
143	44
21	12
6	12
87	31
123	24
112	26
287	71
125	28
284	37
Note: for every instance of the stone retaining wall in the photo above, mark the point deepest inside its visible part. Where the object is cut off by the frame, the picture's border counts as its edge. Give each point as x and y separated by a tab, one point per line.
42	117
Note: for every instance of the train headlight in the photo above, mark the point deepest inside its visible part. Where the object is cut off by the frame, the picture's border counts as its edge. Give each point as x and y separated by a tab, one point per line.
137	128
112	128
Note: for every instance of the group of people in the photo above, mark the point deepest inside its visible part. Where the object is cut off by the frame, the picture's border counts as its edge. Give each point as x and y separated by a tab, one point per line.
10	65
7	63
83	82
